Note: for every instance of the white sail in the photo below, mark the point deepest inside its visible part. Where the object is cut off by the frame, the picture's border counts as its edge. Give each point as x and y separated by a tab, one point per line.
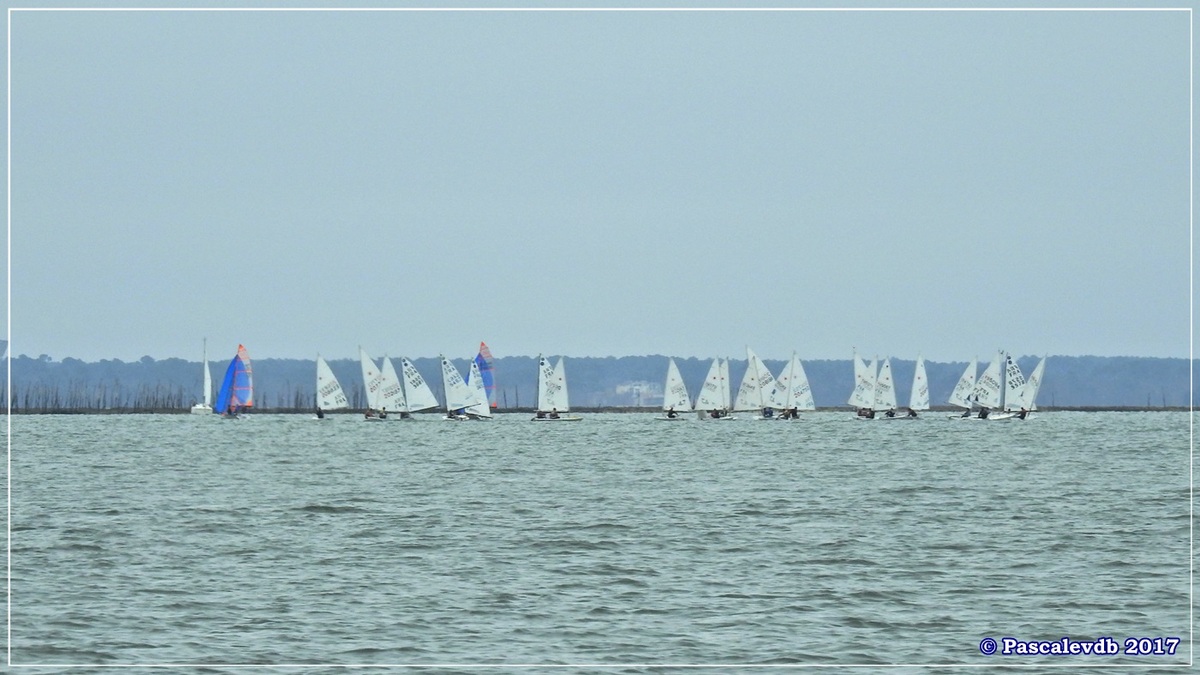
552	386
961	396
1014	383
418	396
207	379
793	382
726	394
759	389
206	407
458	394
987	388
560	373
863	395
1028	399
475	382
772	395
748	397
885	389
391	395
372	380
329	392
919	399
711	397
675	394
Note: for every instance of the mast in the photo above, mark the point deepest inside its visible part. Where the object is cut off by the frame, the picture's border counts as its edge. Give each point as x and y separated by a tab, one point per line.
207	378
1003	378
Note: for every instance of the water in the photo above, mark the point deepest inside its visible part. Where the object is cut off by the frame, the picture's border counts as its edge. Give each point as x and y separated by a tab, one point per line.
615	540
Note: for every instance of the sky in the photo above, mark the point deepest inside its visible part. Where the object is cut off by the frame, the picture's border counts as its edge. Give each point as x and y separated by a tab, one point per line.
685	183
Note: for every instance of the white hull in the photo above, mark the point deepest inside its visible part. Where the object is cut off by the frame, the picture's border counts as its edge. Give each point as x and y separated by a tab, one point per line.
670	419
561	418
705	415
201	409
993	417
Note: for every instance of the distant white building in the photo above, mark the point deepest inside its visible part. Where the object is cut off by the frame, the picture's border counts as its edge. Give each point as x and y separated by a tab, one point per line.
639	393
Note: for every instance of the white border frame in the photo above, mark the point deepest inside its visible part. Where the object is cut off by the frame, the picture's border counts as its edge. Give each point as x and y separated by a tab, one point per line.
603	666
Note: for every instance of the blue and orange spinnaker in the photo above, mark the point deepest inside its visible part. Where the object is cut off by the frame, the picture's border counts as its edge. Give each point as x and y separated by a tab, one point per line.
237	388
484	361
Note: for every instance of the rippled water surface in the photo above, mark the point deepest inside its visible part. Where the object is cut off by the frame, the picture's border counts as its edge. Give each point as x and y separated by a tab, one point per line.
615	540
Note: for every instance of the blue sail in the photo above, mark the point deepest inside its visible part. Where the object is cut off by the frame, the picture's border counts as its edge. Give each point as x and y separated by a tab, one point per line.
484	360
237	387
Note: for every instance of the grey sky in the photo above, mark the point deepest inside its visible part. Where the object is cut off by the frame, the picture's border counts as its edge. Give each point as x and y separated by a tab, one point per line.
599	184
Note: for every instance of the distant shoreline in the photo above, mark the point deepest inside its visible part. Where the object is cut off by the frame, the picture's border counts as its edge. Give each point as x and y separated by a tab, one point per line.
530	411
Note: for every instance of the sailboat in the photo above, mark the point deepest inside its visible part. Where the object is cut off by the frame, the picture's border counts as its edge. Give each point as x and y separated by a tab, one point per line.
961	396
796	392
862	397
329	392
483	360
552	393
919	398
458	395
1000	381
417	394
712	403
759	390
1014	388
373	383
675	394
478	383
237	388
391	393
1028	399
885	392
205	407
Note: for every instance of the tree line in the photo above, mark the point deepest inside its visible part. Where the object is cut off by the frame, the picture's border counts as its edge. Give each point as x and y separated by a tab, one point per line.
42	384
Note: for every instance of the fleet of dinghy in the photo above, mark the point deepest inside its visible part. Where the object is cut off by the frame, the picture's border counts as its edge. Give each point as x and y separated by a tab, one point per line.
1001	392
